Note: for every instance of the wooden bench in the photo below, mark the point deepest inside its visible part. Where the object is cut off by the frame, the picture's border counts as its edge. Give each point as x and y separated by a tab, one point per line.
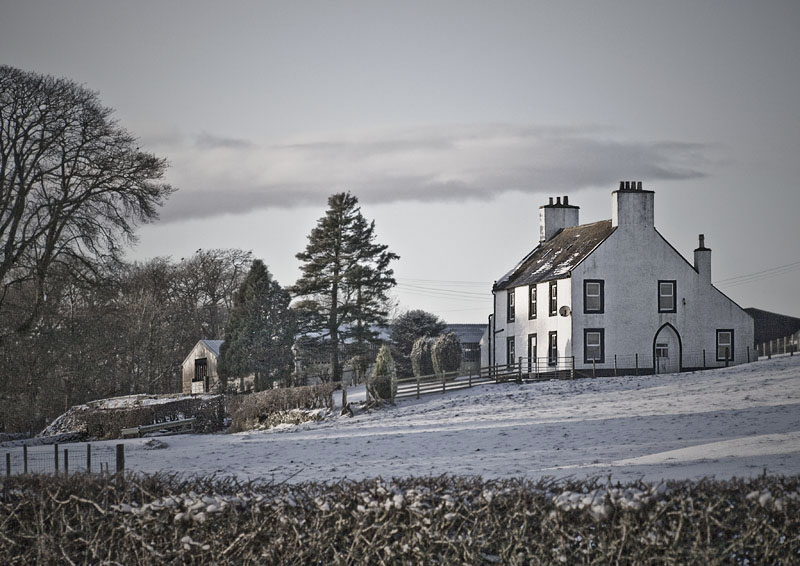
169	427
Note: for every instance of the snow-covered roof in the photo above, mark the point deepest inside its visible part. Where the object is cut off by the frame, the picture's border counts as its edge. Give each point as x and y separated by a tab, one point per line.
213	345
558	256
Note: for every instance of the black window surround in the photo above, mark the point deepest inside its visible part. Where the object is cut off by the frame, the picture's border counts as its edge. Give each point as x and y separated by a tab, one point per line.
598	334
510	351
721	345
552	348
594	297
553	298
510	305
667	302
532	301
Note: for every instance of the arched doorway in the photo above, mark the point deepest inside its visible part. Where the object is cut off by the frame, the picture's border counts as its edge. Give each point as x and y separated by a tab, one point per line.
667	350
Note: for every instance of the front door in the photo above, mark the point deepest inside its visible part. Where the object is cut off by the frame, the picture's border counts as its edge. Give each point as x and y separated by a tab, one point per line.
667	350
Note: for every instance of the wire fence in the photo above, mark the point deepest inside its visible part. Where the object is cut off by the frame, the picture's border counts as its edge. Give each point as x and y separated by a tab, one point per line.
59	460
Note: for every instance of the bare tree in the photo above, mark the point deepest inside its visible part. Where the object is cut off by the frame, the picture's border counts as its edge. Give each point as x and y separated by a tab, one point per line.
73	186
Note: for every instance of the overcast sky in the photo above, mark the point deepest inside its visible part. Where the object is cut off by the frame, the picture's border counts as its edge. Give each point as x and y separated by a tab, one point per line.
452	122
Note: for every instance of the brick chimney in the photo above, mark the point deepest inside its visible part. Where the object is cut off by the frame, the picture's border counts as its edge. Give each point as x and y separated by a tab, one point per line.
632	206
702	260
555	216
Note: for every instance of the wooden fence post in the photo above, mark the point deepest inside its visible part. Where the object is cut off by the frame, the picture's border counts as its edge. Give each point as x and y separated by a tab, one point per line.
615	365
637	363
66	462
120	458
470	377
8	464
88	458
55	447
727	355
444	388
536	367
519	370
24	458
572	367
594	368
704	358
417	387
748	354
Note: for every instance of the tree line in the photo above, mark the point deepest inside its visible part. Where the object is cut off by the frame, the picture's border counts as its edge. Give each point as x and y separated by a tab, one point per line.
79	322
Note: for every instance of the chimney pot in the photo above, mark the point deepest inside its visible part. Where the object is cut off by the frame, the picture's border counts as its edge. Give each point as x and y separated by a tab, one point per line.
702	241
551	201
558	200
627	185
639	186
566	200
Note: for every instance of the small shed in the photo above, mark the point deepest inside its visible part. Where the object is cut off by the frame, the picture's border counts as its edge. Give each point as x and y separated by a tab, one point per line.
470	337
199	369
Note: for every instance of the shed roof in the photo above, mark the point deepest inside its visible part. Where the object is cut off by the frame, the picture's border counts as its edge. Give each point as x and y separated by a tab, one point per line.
213	345
558	256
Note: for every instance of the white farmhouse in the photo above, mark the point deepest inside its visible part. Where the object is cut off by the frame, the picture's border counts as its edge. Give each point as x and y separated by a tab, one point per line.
613	296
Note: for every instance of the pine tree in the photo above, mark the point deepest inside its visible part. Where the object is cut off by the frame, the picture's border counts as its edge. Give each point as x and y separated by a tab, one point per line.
260	332
345	280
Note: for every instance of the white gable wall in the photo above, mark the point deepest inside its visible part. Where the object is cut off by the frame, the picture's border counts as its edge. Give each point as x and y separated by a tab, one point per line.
631	262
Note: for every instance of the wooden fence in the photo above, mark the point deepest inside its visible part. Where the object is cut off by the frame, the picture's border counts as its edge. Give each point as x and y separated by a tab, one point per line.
540	370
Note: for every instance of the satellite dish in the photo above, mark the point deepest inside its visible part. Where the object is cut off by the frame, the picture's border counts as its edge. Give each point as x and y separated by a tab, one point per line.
564	311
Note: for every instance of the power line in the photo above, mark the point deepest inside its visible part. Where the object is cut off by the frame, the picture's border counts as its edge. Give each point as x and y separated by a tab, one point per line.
759	275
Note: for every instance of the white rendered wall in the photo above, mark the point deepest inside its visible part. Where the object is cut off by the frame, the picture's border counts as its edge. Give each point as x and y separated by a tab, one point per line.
631	262
542	325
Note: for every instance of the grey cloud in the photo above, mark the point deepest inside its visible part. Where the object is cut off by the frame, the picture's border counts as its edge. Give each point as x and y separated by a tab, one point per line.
204	140
456	163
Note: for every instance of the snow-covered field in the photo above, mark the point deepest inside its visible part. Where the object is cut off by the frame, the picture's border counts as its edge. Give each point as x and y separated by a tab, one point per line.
738	421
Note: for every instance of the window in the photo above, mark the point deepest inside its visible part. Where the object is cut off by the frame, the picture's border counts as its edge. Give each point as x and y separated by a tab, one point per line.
662	350
725	345
532	363
553	298
510	306
510	354
666	296
552	350
532	301
593	300
593	345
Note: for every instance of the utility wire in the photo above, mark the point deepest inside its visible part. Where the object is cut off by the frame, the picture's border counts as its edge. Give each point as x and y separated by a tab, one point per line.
759	275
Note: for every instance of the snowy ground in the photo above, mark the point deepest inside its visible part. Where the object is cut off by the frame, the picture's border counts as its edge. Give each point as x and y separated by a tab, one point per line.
738	421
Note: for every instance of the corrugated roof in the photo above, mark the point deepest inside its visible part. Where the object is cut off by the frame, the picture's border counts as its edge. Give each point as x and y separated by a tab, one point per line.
467	333
213	345
559	255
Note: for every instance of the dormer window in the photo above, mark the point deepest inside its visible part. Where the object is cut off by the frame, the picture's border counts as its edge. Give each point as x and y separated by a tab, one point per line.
666	296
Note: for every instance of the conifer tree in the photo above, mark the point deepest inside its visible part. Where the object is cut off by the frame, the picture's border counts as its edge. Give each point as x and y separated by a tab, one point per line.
345	280
260	332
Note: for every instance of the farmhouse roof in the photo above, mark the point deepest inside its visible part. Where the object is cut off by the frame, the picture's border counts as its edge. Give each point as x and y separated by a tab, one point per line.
558	256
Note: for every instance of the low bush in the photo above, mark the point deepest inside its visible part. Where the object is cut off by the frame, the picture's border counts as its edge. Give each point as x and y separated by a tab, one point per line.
258	410
429	520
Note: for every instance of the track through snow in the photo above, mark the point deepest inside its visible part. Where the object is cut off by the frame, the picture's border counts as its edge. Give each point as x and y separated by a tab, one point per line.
729	422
